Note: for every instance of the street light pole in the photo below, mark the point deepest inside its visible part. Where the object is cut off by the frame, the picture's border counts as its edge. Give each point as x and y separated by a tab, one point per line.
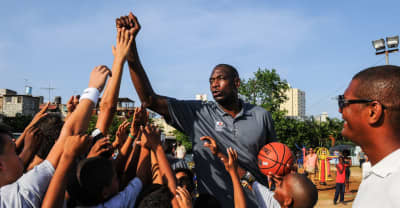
380	46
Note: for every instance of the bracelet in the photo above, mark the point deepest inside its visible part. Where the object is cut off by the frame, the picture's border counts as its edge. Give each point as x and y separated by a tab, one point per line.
90	93
132	137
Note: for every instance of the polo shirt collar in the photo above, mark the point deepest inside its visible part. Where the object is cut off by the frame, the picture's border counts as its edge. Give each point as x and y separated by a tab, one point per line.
387	165
243	111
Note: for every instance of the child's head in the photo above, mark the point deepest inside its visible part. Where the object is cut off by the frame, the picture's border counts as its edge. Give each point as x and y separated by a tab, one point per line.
184	178
11	166
341	159
50	128
97	181
155	196
296	191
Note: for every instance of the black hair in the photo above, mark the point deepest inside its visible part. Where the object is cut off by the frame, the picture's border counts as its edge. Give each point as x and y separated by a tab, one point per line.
305	194
186	180
381	83
92	176
4	131
206	200
50	128
232	70
155	196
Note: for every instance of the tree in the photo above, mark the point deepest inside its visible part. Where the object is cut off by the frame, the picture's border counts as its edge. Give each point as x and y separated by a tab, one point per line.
184	139
266	89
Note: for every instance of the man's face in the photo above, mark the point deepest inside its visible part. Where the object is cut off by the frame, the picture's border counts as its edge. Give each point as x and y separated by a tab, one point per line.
11	165
222	85
351	114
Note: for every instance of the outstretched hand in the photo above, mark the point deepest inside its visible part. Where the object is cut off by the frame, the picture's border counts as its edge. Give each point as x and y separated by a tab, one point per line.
98	77
183	197
72	103
151	136
210	143
121	134
32	139
129	22
140	118
100	147
124	41
231	165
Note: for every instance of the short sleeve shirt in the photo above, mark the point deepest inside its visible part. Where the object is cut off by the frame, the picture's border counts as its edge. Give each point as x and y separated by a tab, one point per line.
29	189
251	129
380	185
125	198
265	197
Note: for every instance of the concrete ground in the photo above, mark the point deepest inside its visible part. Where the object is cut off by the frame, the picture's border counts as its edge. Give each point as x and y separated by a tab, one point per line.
327	192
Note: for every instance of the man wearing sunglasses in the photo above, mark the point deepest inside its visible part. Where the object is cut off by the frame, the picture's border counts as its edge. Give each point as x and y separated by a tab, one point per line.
370	108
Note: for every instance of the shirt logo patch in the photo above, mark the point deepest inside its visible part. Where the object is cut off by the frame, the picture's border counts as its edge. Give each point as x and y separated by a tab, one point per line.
219	125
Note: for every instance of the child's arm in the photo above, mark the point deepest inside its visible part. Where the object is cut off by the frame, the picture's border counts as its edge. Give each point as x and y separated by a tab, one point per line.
152	139
109	100
74	146
232	167
340	169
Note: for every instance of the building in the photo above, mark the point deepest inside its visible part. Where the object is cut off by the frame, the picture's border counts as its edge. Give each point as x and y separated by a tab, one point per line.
20	104
202	97
295	105
161	123
323	117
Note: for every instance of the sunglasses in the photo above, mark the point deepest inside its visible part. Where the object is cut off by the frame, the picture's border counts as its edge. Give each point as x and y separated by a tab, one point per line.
342	102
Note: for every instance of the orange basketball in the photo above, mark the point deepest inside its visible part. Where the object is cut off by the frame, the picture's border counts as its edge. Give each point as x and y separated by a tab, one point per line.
275	158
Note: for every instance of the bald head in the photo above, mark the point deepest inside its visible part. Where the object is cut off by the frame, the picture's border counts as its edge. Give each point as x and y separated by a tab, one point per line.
381	83
302	190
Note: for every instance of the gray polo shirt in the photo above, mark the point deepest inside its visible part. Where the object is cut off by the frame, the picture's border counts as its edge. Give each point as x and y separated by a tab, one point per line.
251	129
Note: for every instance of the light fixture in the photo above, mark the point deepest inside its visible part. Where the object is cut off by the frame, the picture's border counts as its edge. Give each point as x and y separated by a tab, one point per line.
392	42
379	44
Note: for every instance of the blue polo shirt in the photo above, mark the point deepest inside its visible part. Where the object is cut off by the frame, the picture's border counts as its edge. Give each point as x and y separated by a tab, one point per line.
251	129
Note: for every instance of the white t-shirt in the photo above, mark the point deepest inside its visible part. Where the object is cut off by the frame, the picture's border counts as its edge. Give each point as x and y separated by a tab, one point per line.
380	185
265	197
180	152
29	189
125	198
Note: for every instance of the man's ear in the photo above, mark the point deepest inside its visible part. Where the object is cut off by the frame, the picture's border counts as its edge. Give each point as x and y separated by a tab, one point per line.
375	113
288	202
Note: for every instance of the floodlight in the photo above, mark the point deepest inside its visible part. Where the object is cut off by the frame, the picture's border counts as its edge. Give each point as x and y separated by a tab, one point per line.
379	44
392	42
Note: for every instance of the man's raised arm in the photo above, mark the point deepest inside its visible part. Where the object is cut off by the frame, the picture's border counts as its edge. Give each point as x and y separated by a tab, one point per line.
139	78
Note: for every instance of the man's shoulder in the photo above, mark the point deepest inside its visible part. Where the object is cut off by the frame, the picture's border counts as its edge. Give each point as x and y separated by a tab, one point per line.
255	108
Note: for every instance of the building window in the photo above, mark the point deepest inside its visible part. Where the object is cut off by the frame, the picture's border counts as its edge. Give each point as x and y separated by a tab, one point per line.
8	99
19	99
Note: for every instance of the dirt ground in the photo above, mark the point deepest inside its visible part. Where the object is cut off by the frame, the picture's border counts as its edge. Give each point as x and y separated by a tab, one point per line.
326	193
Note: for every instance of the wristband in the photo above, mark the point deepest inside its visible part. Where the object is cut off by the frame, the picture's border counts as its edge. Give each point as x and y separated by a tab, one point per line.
90	93
132	137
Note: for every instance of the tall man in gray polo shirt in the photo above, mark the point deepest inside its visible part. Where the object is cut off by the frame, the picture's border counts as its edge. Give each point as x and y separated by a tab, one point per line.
230	121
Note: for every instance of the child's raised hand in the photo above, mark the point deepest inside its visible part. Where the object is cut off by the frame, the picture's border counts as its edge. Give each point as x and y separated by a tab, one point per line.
231	165
183	197
210	143
124	41
151	136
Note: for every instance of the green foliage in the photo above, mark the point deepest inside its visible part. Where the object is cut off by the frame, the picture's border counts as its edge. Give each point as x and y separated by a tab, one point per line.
266	89
111	130
184	139
18	123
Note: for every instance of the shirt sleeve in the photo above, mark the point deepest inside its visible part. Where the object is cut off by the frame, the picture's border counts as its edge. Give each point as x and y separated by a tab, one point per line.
271	135
125	198
265	197
30	188
182	114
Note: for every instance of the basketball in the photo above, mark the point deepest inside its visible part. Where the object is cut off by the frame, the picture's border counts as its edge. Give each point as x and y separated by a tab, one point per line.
275	158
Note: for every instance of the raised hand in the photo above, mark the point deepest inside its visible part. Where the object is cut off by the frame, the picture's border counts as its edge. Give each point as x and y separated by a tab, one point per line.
101	146
121	134
129	22
98	77
72	103
77	145
32	139
210	143
231	165
183	197
151	136
140	118
124	41
41	114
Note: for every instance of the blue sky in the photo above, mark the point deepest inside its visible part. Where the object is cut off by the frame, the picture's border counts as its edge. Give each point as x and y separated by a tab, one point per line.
317	46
